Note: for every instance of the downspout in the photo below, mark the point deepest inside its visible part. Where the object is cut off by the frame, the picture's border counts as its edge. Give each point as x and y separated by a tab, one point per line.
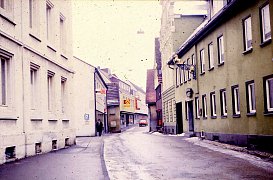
95	101
23	82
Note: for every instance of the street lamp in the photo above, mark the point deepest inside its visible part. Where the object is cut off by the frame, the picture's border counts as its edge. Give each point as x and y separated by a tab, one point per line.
184	66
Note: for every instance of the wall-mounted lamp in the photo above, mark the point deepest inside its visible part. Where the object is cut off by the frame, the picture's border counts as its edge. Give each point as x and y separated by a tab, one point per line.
184	66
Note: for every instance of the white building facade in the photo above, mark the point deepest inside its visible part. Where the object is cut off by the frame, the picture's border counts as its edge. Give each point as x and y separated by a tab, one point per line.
36	78
84	101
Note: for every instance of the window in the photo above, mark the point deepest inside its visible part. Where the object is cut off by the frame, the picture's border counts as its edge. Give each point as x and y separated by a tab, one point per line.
184	77
265	23
193	62
223	102
220	43
210	55
247	33
2	4
63	93
197	113
50	91
268	85
213	104
33	85
49	27
181	77
202	61
204	104
186	111
235	100
250	97
62	33
4	79
177	76
189	75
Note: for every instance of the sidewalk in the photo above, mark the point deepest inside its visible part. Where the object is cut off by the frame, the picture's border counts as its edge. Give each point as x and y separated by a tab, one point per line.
83	161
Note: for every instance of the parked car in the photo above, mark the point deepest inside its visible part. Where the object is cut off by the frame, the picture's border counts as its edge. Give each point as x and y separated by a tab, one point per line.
143	122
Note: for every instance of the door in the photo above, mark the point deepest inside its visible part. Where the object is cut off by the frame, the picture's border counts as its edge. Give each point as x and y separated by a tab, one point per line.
190	116
179	127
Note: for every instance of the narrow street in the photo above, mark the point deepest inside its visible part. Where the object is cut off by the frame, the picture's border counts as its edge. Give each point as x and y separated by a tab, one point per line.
137	154
80	162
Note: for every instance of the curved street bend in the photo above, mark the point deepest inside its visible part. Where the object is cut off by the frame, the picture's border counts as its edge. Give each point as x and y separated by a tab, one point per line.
138	154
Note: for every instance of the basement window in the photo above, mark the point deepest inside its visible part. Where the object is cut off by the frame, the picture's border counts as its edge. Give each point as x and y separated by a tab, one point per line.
10	152
66	141
38	148
54	144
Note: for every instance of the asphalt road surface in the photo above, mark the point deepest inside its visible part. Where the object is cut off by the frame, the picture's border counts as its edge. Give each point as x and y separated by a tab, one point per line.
137	154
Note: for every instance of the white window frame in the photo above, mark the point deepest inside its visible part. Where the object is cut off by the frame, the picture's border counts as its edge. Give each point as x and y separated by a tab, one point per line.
7	9
63	94
202	61
205	109
223	94
247	33
193	62
269	94
236	100
49	19
221	49
197	107
251	97
63	35
213	104
265	22
50	90
177	76
4	80
211	56
34	85
189	74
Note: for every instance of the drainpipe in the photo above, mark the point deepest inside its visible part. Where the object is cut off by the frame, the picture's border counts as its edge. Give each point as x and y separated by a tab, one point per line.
23	83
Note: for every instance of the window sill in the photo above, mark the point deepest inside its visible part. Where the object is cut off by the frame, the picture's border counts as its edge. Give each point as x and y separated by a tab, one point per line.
66	120
213	117
224	117
201	74
265	43
185	82
5	16
221	64
268	113
189	79
63	56
251	114
236	115
8	119
35	37
36	119
247	51
52	119
51	48
197	118
210	69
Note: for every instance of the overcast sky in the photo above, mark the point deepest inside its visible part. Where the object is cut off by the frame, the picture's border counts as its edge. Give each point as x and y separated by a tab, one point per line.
105	35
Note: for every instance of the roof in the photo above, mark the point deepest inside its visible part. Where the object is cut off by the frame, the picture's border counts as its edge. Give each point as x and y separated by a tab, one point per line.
207	26
137	87
150	88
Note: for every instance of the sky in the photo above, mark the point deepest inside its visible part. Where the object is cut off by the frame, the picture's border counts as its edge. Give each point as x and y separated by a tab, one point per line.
105	35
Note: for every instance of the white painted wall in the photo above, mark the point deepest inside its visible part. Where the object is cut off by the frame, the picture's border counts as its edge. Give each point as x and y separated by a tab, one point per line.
84	100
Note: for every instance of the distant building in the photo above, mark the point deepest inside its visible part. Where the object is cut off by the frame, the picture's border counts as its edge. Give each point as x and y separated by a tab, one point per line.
232	98
176	27
84	84
151	99
36	77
